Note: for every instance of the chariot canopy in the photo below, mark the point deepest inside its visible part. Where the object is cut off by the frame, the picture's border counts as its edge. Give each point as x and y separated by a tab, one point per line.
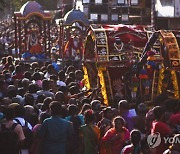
32	31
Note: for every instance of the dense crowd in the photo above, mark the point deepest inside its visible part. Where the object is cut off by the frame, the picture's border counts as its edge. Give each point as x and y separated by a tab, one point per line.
48	111
6	37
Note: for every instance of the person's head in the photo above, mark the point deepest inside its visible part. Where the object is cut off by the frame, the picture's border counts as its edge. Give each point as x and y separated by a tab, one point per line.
96	104
37	76
9	113
17	100
79	75
89	116
22	66
52	84
47	63
11	68
85	107
59	96
34	65
29	110
64	89
74	90
142	109
40	99
25	83
27	67
42	117
47	101
6	101
3	60
158	112
72	101
55	108
50	69
118	123
10	59
33	88
123	106
43	69
12	93
7	77
19	111
68	80
135	136
29	99
18	69
61	75
70	69
45	84
72	109
85	101
17	62
107	113
27	75
53	77
72	75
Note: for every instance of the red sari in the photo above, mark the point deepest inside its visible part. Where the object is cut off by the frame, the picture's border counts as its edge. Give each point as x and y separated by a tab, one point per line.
117	145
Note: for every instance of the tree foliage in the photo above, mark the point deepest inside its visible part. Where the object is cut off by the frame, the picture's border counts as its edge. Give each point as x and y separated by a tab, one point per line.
2	4
47	4
18	4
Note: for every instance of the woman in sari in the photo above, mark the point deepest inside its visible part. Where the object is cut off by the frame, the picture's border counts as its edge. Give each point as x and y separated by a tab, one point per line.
89	134
115	138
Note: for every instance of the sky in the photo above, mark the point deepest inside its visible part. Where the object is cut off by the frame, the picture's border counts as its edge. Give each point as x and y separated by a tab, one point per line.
79	4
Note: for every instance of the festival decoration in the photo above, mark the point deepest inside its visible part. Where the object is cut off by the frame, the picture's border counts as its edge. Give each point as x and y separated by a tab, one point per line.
151	64
134	86
159	64
73	48
103	84
161	77
143	74
175	84
86	78
34	45
115	48
32	31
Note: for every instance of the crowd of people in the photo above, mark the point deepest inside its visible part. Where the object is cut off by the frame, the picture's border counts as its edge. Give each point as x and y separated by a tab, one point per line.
6	37
48	111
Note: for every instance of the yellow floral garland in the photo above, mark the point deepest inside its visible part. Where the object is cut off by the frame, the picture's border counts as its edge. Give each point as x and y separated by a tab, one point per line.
175	84
103	84
161	77
86	78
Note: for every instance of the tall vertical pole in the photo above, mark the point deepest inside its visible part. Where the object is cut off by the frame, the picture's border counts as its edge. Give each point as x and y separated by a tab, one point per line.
61	41
62	38
109	10
153	13
49	38
75	3
20	39
16	40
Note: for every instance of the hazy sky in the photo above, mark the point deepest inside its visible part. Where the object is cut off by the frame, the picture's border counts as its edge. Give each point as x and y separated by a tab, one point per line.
79	4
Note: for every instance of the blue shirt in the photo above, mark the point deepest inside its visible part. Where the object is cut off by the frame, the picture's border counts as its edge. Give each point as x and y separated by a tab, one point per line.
55	132
81	118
